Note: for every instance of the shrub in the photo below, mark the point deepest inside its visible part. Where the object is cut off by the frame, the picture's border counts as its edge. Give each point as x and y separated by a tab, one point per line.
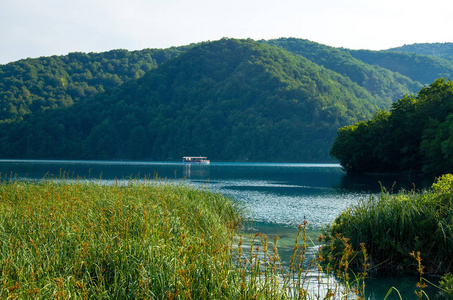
393	225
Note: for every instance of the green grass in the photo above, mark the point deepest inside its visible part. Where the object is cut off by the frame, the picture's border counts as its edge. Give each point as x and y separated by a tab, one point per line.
140	240
392	226
149	239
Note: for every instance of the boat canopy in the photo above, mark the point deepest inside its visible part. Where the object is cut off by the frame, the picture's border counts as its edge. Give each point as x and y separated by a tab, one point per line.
195	159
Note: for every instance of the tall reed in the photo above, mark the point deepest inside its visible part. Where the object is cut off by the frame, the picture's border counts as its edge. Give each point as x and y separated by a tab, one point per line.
394	225
148	239
139	240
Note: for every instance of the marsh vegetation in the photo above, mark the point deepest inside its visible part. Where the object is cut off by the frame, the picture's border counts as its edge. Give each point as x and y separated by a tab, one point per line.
144	239
153	239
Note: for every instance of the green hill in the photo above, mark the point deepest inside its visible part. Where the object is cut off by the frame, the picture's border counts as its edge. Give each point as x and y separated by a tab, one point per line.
442	50
32	85
384	84
229	99
276	100
418	67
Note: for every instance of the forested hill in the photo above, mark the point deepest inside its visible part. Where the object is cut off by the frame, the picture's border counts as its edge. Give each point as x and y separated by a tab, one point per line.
32	85
229	99
442	50
382	83
277	100
418	67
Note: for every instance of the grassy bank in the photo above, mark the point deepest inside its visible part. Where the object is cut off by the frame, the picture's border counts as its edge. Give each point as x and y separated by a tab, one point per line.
71	239
395	227
86	240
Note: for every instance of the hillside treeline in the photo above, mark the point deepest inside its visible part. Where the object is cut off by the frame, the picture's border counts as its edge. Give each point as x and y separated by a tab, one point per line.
277	100
384	84
418	67
415	136
442	50
230	100
33	85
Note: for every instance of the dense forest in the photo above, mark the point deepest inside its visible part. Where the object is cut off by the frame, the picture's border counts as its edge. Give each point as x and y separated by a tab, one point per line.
442	50
230	100
418	67
276	100
383	84
415	136
33	85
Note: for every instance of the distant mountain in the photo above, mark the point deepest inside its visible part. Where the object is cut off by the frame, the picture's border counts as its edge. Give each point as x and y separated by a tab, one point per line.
418	67
276	100
229	99
32	85
442	50
384	84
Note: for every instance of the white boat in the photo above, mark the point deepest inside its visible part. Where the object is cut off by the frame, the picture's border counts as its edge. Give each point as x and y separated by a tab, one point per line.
199	160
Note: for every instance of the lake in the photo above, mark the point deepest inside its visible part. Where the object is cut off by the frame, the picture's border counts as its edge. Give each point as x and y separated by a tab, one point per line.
277	196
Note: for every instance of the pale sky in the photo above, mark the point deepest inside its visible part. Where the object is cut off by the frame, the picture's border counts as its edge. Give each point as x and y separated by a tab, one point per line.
33	28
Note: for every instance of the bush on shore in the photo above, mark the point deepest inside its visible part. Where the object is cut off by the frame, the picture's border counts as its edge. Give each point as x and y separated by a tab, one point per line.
392	226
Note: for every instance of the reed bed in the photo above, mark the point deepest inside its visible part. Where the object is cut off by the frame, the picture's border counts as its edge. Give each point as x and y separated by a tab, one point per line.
86	240
147	239
393	227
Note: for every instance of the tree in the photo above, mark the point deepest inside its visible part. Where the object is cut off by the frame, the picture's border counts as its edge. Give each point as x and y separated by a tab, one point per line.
415	136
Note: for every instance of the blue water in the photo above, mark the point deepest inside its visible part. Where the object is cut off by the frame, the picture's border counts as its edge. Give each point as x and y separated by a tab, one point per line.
277	196
276	193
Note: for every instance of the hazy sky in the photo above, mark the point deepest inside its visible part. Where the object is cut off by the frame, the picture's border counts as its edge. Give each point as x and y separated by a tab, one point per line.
33	28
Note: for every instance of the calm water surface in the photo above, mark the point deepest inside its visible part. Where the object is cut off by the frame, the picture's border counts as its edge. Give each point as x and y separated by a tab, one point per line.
277	196
281	194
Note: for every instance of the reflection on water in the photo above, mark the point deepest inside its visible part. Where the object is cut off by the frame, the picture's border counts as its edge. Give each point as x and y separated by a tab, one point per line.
277	196
390	182
280	194
286	209
377	286
196	171
307	277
